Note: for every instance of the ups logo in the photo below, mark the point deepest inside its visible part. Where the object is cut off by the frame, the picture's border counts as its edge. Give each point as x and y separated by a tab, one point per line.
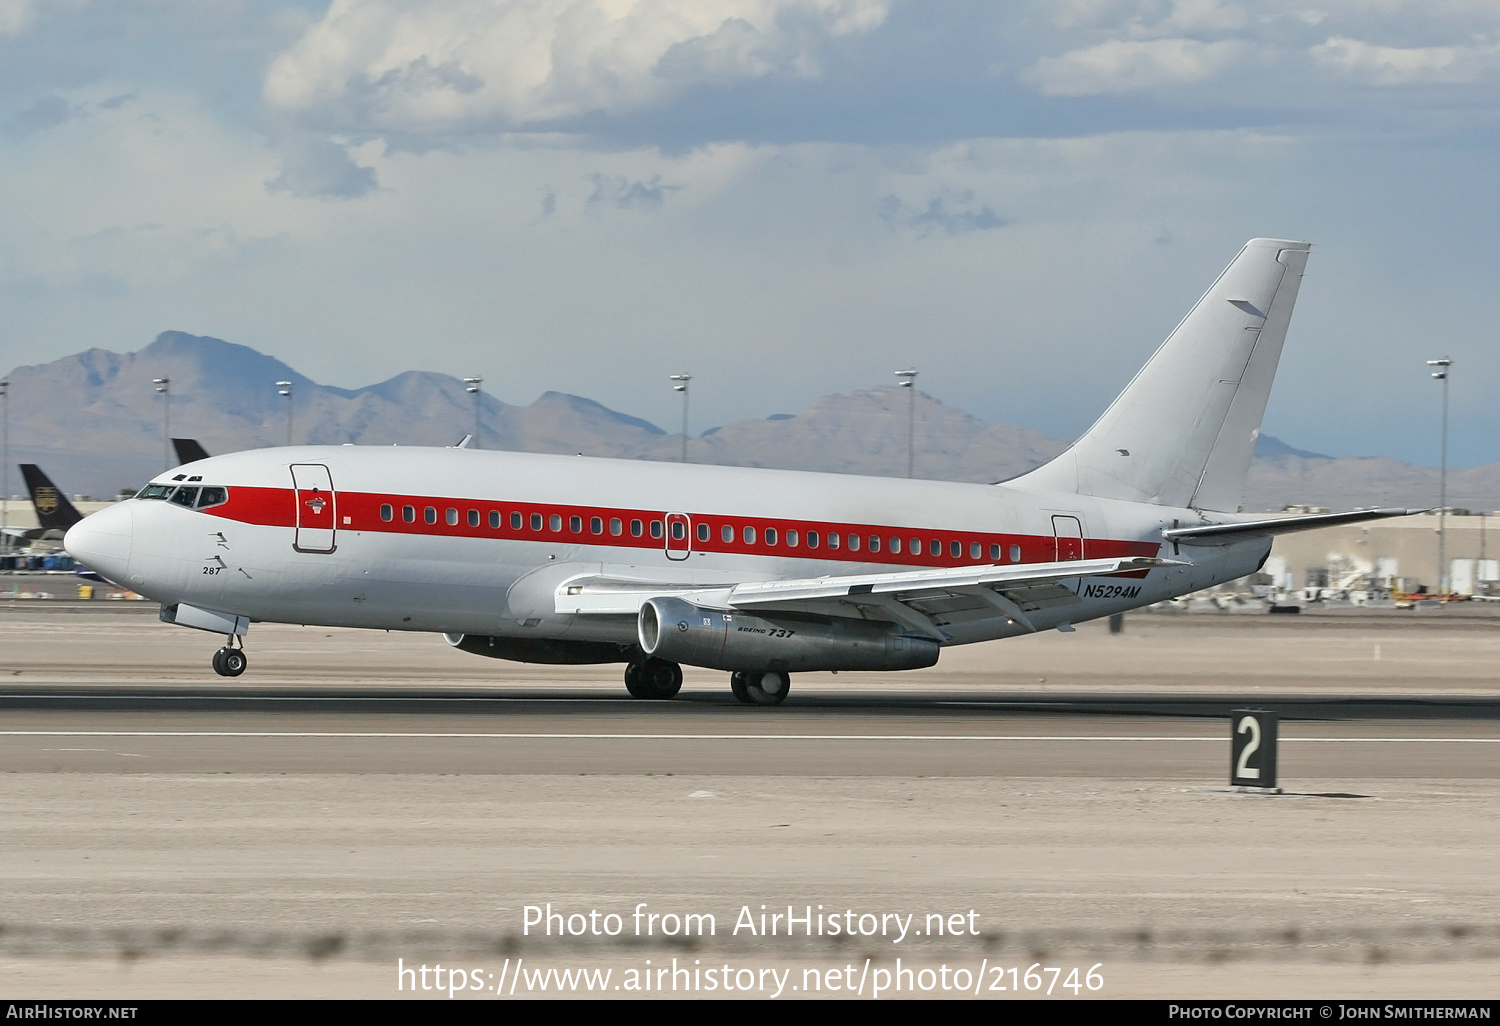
46	499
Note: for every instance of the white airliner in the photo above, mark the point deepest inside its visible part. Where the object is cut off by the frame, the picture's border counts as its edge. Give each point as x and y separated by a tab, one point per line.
559	559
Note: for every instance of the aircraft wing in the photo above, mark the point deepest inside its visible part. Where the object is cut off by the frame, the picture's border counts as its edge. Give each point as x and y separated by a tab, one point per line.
911	598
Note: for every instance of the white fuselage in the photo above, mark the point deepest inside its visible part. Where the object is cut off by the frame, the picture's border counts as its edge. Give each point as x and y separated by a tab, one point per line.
477	542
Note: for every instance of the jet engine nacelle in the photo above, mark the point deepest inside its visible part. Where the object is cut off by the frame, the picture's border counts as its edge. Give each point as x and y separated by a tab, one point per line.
541	650
681	632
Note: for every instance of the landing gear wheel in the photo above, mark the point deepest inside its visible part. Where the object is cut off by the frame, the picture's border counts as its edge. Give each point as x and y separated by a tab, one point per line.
230	662
633	680
767	688
738	686
653	678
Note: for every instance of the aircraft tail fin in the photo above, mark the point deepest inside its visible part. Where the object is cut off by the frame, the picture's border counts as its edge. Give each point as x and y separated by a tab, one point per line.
188	450
1183	432
53	510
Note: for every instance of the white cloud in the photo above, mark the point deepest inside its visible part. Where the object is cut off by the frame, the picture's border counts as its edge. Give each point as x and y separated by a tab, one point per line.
15	16
1395	65
1127	66
379	65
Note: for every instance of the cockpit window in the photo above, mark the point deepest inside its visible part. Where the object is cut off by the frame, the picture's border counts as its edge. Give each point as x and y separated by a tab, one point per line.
184	497
212	497
156	491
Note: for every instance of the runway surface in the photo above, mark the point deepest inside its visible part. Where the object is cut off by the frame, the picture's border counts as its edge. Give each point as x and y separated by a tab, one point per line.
1071	791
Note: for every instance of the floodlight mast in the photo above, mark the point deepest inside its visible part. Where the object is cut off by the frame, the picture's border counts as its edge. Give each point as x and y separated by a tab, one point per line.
471	385
284	388
164	389
908	379
682	386
5	465
1441	374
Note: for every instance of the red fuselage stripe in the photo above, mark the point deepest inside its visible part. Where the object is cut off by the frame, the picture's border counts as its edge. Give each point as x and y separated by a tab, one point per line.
362	511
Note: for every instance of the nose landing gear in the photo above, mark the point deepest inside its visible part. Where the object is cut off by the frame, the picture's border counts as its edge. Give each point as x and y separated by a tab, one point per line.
230	661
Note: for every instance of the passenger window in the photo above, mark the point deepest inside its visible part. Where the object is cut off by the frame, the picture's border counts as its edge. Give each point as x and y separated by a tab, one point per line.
833	539
874	543
575	524
386	513
749	535
726	532
895	545
536	521
853	543
452	517
495	519
994	552
656	529
770	536
615	527
473	518
555	522
185	497
409	514
679	530
703	532
596	524
515	521
935	547
1015	553
812	539
791	538
430	514
916	547
635	528
976	551
217	497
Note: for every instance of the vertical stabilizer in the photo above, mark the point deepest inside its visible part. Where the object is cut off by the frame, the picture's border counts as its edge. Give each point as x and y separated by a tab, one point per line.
53	510
1183	431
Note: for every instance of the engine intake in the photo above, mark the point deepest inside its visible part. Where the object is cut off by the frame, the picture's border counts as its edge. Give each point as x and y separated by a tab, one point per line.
681	632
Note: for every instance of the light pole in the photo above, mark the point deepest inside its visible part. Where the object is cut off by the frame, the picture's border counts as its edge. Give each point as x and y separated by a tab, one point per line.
1441	374
285	388
164	389
5	465
909	382
682	386
471	385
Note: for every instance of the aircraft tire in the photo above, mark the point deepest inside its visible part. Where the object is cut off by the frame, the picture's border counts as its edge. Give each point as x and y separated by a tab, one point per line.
737	685
659	679
633	680
767	688
229	662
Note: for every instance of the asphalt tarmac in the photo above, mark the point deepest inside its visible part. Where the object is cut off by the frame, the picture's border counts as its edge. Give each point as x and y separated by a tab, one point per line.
360	798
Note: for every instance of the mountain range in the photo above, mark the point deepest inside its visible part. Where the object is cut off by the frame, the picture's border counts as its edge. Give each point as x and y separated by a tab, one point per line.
95	421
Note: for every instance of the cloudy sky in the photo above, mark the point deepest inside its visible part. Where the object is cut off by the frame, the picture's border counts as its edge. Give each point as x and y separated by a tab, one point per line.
785	197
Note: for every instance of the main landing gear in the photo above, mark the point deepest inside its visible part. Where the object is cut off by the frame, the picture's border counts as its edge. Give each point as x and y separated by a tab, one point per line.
752	687
230	661
653	678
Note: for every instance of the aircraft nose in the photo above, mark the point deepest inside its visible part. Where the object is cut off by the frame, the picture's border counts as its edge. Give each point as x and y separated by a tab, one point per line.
101	542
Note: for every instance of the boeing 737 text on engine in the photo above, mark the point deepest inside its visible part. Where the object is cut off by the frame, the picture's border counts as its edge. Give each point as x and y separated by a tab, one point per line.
558	559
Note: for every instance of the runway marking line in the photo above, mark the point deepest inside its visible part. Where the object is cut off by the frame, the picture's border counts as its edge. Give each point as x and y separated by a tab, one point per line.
379	735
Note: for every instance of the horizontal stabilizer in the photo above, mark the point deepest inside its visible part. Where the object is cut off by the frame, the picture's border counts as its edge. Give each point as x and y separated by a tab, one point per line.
1280	525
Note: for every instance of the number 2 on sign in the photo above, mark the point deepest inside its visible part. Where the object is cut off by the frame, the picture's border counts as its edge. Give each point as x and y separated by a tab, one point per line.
1244	769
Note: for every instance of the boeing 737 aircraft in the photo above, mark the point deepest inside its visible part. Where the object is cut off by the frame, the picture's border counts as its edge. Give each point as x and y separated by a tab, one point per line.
566	559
